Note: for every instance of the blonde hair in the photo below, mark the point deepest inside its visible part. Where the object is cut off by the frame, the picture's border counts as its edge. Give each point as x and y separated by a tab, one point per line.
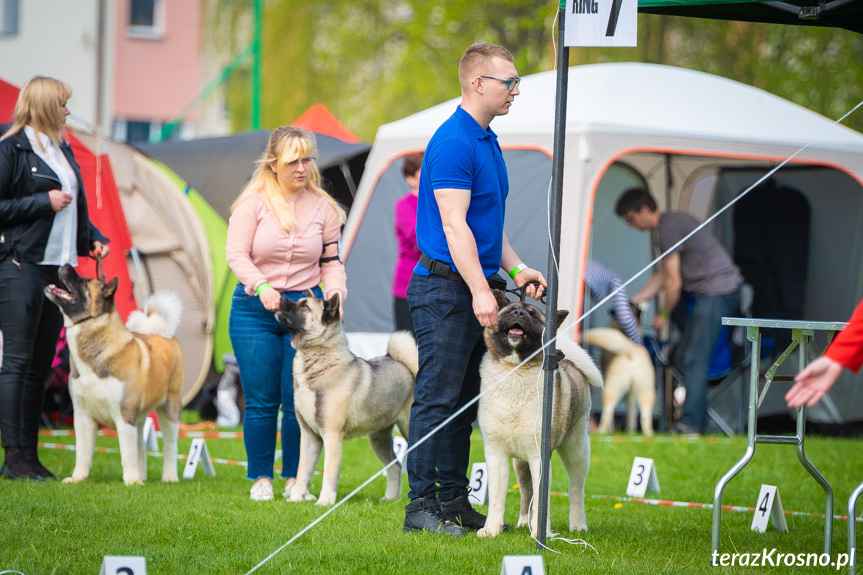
477	59
39	105
286	144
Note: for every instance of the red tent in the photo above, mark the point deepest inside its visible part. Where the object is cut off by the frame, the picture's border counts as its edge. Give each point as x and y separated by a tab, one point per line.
103	204
318	118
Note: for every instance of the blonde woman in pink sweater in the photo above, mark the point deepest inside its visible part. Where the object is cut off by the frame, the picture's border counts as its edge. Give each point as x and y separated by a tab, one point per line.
283	239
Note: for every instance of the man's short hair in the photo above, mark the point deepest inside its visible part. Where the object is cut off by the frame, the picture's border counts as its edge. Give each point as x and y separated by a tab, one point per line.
411	163
476	61
632	200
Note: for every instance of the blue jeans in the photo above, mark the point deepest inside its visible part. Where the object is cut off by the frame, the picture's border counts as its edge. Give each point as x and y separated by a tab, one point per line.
266	361
451	347
691	356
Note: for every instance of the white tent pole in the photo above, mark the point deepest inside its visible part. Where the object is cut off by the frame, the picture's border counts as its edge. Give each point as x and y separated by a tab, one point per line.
550	358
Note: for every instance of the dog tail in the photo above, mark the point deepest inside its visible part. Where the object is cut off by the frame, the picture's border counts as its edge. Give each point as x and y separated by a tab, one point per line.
403	348
611	340
582	360
160	317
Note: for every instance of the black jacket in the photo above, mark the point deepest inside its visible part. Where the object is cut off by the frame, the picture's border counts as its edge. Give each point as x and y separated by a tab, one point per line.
26	216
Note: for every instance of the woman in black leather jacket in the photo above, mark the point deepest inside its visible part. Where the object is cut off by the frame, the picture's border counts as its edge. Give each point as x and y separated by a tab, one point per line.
43	225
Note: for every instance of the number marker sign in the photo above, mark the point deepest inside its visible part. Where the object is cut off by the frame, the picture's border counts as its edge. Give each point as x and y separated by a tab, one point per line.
117	565
769	506
522	565
198	453
400	447
150	443
642	478
478	484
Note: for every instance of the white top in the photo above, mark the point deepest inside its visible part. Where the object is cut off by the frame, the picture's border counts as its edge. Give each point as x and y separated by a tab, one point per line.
61	242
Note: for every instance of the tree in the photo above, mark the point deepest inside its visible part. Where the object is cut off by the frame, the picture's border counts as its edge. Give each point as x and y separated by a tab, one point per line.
375	61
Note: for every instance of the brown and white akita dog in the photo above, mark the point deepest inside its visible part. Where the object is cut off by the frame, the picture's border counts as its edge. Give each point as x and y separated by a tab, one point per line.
120	373
509	407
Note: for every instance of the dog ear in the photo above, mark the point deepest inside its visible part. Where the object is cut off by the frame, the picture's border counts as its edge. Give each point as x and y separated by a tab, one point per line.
331	309
110	288
500	298
561	315
310	293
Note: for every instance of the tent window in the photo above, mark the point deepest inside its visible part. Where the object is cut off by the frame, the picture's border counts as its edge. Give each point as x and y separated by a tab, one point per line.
9	17
144	18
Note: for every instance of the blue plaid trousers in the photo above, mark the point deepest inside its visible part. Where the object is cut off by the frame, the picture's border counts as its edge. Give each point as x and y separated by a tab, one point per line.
451	348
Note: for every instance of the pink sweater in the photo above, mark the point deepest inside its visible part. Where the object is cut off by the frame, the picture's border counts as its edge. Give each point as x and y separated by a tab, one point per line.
259	250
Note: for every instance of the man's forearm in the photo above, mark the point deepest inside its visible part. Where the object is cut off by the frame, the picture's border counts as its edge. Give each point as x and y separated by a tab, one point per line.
462	248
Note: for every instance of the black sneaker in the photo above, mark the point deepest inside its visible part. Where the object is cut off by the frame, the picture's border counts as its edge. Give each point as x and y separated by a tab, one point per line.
425	514
683	428
461	512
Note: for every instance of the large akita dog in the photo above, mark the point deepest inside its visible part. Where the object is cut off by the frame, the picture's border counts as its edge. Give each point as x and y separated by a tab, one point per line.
629	371
120	373
339	396
509	409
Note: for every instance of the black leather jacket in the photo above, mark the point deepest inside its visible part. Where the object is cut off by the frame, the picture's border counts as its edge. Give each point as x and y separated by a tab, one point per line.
26	216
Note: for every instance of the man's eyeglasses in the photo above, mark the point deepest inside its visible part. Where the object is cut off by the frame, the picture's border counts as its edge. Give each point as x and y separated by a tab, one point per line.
307	161
510	82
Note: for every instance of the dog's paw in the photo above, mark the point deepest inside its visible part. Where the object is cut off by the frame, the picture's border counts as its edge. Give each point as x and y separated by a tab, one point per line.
300	497
170	479
73	479
133	481
326	500
488	531
522	521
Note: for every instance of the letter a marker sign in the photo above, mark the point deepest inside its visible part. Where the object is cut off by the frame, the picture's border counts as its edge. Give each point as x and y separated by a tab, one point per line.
769	506
605	23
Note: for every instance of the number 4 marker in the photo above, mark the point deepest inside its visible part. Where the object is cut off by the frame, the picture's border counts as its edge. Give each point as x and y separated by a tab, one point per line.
769	506
642	478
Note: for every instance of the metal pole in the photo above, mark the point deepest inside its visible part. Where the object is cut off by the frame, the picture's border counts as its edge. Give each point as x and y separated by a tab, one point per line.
256	65
100	66
550	359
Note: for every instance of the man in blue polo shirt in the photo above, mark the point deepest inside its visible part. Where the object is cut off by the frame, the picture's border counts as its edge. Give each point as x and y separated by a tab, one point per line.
460	215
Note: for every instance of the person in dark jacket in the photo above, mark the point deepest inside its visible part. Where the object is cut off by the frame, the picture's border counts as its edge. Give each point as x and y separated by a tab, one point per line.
43	225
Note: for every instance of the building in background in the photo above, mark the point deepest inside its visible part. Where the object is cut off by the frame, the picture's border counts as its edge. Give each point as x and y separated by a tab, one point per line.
133	65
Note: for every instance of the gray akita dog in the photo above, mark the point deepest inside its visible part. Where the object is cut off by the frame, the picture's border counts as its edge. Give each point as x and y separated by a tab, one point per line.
338	395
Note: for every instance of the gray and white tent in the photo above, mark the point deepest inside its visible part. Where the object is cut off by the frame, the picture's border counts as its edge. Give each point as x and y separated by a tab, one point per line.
696	141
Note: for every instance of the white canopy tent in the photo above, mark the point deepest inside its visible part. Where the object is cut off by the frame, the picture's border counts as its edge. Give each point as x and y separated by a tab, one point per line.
694	139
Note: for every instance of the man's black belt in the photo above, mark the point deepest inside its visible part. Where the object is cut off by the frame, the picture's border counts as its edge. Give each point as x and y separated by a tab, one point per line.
443	269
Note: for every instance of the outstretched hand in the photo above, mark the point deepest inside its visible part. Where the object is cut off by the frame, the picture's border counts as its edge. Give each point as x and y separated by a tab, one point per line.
813	382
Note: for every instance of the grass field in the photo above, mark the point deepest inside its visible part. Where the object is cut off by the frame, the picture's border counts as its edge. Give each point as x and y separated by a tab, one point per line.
209	525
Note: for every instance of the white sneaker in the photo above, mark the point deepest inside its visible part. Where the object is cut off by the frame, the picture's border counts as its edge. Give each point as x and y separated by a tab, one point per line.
289	486
262	491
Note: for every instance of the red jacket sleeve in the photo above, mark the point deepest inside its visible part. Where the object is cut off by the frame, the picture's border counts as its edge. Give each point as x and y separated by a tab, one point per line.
847	347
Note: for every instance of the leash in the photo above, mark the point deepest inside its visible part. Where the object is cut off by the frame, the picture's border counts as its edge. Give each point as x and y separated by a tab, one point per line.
100	272
522	291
